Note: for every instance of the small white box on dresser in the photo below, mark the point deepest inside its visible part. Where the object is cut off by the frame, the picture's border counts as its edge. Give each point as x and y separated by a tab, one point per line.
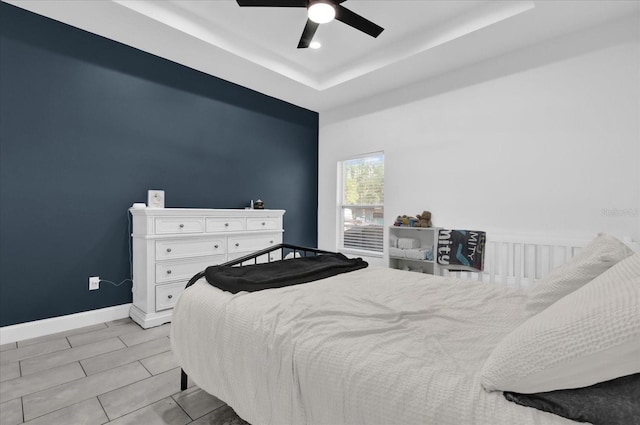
170	245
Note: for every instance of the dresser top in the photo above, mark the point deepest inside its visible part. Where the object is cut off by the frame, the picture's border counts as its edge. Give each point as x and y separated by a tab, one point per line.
209	212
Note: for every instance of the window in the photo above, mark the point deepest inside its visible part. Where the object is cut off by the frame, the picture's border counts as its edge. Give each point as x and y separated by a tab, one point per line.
362	204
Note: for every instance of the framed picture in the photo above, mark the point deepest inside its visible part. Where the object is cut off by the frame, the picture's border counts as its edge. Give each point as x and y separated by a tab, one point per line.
156	198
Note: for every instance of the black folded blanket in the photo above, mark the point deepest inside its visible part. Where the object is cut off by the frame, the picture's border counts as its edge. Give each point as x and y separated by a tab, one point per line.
278	274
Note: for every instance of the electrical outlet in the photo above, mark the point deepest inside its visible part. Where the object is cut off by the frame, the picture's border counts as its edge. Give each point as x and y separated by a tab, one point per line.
94	283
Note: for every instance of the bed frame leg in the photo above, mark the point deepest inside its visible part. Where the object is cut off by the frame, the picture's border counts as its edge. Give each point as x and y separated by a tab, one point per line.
183	380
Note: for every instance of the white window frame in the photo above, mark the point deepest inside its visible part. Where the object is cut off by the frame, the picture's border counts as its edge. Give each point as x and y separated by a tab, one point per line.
341	206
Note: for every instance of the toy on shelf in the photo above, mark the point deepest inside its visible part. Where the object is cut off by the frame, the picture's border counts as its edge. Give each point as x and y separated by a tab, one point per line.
421	220
424	219
405	221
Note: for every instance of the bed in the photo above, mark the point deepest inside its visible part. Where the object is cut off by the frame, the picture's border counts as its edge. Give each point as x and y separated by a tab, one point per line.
385	346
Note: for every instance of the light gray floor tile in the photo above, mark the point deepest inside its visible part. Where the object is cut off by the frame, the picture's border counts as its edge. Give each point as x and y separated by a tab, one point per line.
139	394
163	412
40	381
146	335
88	412
222	416
160	363
125	355
59	335
8	346
197	402
108	332
146	372
9	371
119	322
11	412
46	401
22	353
70	355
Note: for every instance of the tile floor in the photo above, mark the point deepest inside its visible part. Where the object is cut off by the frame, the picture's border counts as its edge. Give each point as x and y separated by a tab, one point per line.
115	373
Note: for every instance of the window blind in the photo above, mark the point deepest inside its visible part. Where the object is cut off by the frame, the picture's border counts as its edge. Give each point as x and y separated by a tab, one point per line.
363	203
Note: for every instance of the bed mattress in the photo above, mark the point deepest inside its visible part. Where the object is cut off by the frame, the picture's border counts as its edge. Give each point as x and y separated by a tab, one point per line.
374	346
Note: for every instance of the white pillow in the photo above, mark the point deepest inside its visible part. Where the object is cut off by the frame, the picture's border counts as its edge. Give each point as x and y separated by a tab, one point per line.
593	260
589	336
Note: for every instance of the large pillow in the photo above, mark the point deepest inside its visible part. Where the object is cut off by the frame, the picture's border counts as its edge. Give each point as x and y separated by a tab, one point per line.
593	260
589	336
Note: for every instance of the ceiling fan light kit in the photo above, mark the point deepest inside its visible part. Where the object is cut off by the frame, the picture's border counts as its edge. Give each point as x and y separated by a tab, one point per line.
321	12
327	10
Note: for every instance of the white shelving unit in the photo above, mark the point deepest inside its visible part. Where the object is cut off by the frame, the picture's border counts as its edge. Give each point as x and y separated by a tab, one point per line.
428	237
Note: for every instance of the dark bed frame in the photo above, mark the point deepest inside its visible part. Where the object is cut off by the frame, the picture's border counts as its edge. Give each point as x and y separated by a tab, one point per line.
285	249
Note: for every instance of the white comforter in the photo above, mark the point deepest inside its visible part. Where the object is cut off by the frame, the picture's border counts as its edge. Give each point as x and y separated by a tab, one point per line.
374	346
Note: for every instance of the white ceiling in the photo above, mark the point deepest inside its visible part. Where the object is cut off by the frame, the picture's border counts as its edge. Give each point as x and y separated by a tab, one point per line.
256	47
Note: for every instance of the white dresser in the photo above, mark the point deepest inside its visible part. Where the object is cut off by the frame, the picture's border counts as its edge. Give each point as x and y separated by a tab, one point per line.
170	245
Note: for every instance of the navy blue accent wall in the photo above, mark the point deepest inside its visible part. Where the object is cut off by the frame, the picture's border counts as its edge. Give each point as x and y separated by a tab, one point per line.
88	125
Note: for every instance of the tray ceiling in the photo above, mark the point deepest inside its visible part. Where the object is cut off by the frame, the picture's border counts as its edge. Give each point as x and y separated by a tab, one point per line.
256	47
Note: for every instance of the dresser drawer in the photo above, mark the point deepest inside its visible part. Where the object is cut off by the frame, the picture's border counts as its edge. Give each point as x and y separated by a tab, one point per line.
168	271
168	225
225	224
167	295
183	248
253	242
264	223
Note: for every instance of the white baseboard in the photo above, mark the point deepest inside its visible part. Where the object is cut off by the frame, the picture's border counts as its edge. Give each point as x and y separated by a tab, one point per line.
37	328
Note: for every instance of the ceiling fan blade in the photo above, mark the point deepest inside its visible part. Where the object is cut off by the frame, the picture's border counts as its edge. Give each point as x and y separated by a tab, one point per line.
307	34
356	21
273	3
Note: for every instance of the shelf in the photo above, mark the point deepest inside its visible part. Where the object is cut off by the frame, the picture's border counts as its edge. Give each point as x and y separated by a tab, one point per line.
414	228
410	259
428	238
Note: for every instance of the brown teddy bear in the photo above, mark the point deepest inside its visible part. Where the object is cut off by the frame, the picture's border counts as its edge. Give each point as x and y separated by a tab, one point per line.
424	219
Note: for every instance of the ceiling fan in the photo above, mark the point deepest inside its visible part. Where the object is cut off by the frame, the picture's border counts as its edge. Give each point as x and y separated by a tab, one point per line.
320	12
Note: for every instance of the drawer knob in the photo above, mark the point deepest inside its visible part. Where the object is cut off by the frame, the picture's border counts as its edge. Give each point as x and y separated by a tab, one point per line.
215	246
168	249
263	223
237	244
169	296
270	241
226	224
181	225
168	271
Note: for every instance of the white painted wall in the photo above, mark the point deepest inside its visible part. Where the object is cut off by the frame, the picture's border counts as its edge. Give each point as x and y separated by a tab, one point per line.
543	141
